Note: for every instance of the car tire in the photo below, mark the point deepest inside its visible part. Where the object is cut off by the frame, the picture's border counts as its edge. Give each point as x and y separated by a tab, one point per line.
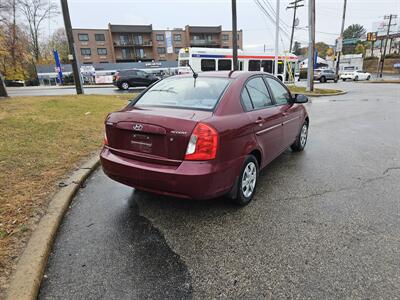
247	183
322	79
301	140
344	79
368	77
124	85
356	78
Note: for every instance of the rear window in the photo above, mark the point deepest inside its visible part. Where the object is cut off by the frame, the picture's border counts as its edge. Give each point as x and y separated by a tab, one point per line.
202	93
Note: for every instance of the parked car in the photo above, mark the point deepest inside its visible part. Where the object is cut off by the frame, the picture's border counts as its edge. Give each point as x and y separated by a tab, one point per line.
323	75
125	79
14	83
355	75
204	137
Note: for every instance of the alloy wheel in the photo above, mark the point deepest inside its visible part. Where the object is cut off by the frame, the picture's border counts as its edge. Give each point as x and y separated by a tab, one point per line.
303	135
249	179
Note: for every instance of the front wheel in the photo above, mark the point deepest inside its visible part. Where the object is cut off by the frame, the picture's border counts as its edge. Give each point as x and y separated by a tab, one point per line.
322	79
246	185
125	85
344	79
356	78
369	77
301	140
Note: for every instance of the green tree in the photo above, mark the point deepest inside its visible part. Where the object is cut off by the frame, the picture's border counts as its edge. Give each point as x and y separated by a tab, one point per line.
354	31
322	48
360	49
59	42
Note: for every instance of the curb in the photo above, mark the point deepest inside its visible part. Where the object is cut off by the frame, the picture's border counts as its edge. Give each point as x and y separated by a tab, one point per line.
26	280
324	95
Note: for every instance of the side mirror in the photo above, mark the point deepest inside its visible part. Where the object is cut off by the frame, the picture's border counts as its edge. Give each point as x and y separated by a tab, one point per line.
298	98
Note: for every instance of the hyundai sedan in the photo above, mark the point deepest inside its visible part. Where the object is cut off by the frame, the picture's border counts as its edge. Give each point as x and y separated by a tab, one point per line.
205	135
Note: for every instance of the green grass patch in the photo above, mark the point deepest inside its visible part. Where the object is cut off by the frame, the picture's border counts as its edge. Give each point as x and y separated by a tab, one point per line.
302	90
41	140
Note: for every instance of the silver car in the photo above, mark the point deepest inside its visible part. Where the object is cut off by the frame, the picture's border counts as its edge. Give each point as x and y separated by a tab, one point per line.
323	75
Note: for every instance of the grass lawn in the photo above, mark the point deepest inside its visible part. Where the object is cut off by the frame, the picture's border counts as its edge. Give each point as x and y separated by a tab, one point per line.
302	90
41	140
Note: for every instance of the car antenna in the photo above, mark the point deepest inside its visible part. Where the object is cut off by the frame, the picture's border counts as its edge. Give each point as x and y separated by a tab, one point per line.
195	75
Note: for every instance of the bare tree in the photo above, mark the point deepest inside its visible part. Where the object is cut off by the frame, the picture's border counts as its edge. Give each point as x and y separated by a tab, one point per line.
35	12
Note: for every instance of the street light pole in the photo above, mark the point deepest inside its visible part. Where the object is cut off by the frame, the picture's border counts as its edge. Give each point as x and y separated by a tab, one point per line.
234	37
71	44
311	45
277	39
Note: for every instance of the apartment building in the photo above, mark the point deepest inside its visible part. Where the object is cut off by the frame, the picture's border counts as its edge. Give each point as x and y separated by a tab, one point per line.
93	46
133	43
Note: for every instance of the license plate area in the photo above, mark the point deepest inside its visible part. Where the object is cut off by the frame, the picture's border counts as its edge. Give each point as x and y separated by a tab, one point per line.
141	143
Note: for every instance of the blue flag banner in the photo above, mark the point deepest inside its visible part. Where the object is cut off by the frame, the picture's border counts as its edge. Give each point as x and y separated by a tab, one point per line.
58	66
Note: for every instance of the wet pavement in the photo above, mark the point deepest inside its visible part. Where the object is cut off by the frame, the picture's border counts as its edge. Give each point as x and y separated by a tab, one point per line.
325	223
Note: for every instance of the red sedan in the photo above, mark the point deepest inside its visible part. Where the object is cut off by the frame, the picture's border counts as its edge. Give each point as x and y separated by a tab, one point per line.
205	135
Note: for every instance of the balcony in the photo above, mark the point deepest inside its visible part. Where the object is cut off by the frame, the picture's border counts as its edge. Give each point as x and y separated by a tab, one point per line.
204	42
133	44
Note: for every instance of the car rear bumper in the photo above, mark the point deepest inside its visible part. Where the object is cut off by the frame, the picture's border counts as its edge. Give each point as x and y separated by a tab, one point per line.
191	180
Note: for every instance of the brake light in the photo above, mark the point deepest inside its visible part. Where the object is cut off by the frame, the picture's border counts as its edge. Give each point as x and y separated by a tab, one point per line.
105	140
203	143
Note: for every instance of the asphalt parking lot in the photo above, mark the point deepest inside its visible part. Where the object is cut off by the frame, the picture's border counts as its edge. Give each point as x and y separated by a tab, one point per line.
324	224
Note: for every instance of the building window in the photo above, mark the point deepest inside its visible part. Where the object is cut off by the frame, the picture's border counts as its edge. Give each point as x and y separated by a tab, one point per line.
225	37
83	37
126	54
138	39
161	50
177	37
140	53
224	65
99	37
208	64
86	51
160	37
101	51
177	50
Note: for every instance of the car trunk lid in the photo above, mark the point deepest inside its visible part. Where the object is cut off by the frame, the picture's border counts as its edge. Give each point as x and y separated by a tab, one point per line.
154	135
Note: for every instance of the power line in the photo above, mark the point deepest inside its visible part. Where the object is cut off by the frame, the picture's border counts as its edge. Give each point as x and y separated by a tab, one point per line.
273	20
294	5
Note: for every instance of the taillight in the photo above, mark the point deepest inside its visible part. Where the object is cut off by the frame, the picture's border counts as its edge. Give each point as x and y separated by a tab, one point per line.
203	143
105	140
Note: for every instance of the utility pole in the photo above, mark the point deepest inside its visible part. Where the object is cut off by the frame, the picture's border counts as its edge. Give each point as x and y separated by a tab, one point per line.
382	60
294	5
277	40
71	44
3	90
341	37
234	37
311	45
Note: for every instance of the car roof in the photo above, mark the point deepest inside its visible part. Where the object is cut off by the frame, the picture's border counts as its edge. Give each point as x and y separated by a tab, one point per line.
226	74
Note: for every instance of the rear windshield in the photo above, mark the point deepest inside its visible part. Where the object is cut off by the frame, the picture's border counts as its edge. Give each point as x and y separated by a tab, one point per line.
202	93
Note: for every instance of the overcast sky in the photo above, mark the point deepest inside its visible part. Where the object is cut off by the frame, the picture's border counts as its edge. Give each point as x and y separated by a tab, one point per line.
257	29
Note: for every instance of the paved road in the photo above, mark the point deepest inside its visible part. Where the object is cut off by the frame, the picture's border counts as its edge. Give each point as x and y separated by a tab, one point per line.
324	223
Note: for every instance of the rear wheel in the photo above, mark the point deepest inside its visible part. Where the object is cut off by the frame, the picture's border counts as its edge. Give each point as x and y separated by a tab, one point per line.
322	79
344	79
246	185
369	77
356	78
301	139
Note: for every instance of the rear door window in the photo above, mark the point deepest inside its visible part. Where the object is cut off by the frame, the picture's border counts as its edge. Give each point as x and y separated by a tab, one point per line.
258	93
208	64
247	105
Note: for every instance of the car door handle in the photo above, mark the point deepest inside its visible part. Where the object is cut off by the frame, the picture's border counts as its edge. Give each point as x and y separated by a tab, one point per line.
259	121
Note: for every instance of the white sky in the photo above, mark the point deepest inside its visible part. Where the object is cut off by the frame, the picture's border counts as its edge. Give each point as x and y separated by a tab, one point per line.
257	29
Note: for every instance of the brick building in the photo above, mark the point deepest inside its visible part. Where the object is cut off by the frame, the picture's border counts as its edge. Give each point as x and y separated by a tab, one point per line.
132	43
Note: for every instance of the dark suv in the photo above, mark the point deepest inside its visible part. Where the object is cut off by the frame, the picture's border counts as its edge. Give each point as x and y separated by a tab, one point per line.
125	79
